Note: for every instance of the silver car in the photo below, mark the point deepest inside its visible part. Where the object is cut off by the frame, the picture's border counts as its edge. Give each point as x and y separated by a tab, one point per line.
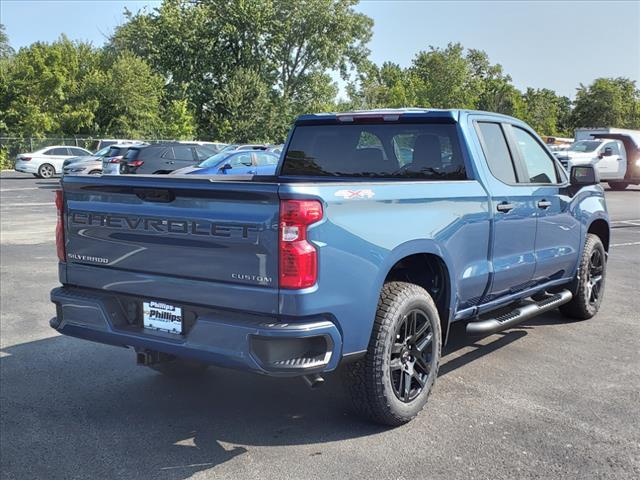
85	165
92	164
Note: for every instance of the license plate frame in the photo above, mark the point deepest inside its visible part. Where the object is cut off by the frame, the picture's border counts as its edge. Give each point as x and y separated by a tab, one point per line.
160	316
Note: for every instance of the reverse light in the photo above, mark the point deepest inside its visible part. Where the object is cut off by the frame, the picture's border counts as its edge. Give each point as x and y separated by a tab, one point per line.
60	248
298	257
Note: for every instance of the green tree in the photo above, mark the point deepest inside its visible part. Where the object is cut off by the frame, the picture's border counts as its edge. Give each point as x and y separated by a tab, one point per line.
496	93
541	110
127	95
44	89
389	86
445	78
286	48
72	88
177	120
607	102
5	47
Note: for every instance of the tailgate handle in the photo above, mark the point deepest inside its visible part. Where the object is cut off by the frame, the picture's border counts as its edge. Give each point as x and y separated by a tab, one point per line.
154	195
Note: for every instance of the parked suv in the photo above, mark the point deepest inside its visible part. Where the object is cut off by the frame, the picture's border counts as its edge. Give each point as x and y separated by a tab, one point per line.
159	158
112	162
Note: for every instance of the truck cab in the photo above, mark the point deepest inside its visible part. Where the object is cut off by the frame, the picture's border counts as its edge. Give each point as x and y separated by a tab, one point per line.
606	154
614	152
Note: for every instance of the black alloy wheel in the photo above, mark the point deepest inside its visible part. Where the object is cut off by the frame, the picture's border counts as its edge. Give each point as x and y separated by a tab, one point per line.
411	356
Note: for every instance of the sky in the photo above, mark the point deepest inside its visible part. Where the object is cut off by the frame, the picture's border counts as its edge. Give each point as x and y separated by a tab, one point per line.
541	44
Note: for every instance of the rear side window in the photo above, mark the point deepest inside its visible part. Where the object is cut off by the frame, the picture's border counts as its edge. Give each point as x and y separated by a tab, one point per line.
116	151
205	152
132	154
183	153
540	166
77	151
403	151
497	152
58	151
168	153
241	160
264	159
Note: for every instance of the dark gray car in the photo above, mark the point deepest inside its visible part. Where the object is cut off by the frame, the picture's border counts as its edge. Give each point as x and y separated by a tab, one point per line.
161	158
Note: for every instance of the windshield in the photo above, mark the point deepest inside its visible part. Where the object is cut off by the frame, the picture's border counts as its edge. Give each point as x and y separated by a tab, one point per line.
584	146
102	152
214	159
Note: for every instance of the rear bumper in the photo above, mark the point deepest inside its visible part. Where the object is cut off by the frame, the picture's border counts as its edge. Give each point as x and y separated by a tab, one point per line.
263	344
25	168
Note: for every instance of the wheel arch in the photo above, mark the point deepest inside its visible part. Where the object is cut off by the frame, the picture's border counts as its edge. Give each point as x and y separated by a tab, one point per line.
600	228
427	265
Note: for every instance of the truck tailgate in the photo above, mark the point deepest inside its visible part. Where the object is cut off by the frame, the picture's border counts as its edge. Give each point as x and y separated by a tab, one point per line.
223	232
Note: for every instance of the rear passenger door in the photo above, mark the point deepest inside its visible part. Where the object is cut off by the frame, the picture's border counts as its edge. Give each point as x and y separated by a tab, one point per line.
56	157
266	163
514	215
557	231
184	156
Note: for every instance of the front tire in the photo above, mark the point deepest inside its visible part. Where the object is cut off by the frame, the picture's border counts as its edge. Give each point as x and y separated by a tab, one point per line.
392	383
618	186
588	286
46	170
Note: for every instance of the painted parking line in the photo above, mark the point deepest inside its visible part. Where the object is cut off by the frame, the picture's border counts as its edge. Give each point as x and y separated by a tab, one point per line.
13	205
625	223
628	244
2	190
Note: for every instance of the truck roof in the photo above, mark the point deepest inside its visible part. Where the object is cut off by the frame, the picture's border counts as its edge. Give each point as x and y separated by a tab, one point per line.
392	114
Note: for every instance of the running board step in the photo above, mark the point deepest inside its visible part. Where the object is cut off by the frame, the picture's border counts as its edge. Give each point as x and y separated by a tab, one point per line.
508	320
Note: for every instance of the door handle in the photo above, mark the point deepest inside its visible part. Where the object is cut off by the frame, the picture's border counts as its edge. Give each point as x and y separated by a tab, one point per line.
505	207
544	204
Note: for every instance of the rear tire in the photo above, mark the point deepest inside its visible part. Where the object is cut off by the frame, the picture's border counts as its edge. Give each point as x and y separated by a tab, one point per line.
46	170
179	368
588	286
392	383
618	186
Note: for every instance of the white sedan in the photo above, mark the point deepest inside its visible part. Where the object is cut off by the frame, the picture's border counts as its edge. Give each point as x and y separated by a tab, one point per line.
48	161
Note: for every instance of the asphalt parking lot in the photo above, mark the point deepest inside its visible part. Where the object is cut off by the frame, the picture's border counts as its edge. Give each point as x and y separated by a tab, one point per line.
549	399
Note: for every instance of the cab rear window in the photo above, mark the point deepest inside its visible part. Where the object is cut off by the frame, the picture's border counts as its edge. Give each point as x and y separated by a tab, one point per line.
403	151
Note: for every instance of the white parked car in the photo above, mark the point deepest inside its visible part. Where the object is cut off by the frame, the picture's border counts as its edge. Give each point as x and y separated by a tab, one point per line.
48	161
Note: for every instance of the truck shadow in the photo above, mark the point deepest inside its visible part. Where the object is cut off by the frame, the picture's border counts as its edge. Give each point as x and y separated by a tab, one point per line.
73	409
96	414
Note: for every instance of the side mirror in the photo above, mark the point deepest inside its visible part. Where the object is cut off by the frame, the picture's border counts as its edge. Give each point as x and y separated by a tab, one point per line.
607	152
583	175
226	166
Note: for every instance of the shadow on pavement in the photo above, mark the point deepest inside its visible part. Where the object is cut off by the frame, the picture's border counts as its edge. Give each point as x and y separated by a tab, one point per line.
70	408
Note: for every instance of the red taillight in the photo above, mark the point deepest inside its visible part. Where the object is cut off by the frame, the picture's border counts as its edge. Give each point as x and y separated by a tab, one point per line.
113	159
298	257
60	248
25	159
135	163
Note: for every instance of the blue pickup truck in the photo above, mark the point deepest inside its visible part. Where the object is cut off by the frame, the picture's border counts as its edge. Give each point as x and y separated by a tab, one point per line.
379	230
